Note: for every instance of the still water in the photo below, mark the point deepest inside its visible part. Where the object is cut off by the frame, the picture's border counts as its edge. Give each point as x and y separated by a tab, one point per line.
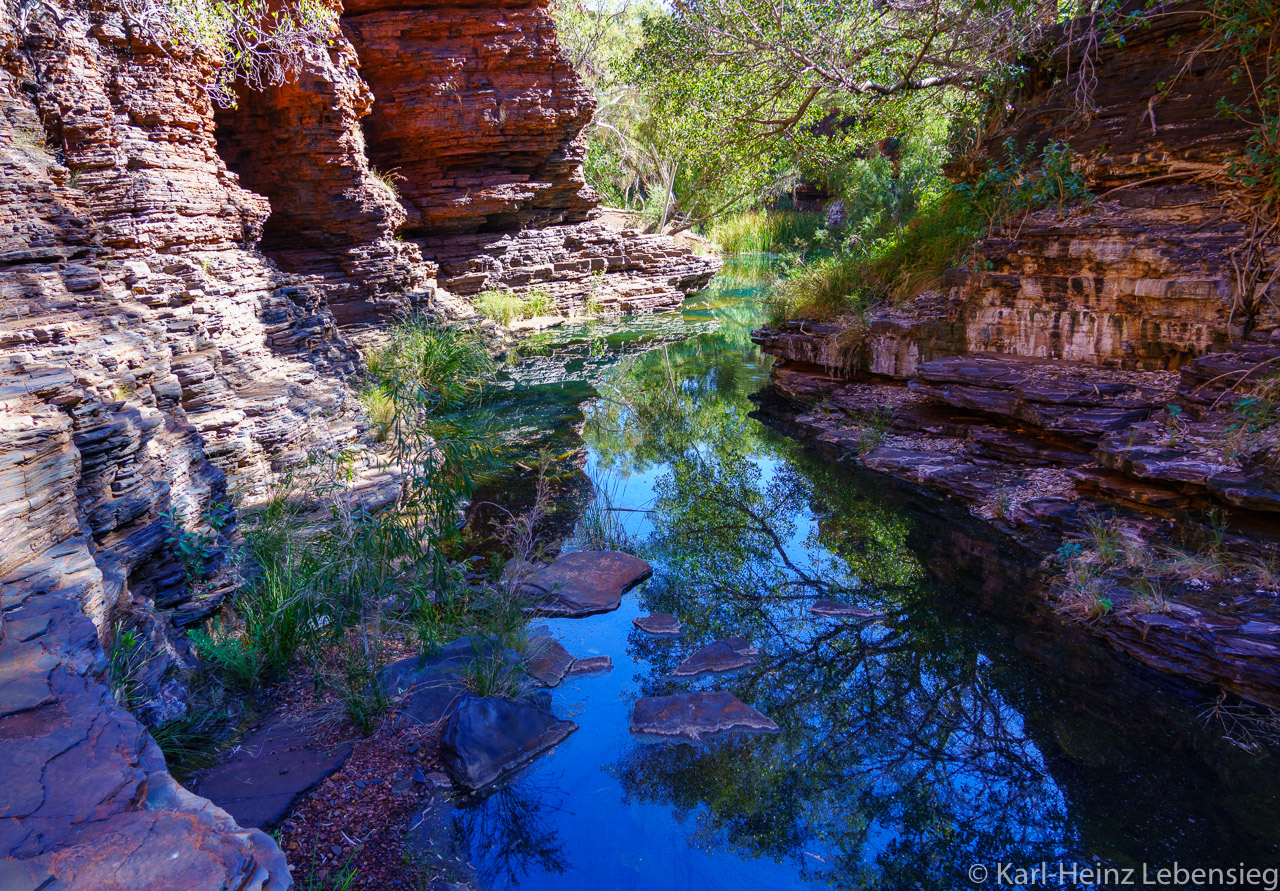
967	728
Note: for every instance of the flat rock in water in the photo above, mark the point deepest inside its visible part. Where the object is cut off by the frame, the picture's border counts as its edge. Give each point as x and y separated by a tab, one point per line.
830	609
659	624
270	770
726	655
591	665
692	717
585	583
547	661
489	737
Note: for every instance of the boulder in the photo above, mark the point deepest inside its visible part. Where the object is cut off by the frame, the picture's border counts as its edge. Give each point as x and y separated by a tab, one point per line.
489	737
547	661
720	657
585	583
693	717
430	688
659	625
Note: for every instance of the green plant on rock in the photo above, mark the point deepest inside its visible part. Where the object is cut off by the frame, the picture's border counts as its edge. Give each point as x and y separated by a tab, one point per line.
508	307
190	743
127	659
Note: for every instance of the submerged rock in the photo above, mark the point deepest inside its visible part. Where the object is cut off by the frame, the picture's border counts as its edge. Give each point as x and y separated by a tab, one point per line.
490	737
585	583
591	665
831	609
720	657
548	661
659	624
693	717
271	769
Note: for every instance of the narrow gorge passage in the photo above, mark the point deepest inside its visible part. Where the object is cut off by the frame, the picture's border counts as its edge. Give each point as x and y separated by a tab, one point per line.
966	726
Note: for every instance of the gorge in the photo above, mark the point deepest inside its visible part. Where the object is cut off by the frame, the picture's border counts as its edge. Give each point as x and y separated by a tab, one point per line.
190	295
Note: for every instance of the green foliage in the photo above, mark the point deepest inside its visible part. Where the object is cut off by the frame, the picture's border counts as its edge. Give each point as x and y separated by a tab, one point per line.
190	742
194	549
1025	183
508	306
256	43
763	232
438	368
887	262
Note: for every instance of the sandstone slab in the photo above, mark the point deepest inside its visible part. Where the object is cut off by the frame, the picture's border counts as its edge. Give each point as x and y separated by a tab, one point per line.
270	770
659	625
547	661
720	657
585	583
591	665
694	717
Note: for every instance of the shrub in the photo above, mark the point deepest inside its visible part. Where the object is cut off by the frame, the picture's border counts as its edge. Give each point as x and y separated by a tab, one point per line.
508	306
443	367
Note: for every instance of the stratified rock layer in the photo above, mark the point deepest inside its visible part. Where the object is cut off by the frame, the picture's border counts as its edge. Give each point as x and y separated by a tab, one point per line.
479	120
1085	364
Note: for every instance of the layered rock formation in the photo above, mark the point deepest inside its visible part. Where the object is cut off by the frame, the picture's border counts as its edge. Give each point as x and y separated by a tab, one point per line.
1088	363
479	121
170	339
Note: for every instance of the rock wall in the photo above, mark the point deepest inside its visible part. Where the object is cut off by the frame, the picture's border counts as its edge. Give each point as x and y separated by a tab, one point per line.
1086	364
300	144
478	120
149	362
475	112
178	287
1143	276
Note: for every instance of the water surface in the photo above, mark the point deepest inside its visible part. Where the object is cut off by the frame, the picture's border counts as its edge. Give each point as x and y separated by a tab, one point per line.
966	728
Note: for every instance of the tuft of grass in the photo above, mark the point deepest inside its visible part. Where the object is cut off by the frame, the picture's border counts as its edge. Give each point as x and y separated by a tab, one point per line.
381	410
508	307
387	180
190	743
443	367
765	231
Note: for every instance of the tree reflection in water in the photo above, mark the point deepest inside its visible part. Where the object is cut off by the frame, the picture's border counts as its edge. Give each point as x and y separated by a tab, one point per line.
509	832
898	762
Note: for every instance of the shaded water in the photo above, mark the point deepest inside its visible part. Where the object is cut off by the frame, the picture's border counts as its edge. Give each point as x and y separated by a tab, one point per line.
967	728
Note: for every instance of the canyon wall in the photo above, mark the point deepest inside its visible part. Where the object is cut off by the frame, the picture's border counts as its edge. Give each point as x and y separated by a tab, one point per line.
1084	367
179	289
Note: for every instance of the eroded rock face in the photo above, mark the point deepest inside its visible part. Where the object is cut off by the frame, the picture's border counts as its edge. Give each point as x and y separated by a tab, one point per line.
476	109
480	118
